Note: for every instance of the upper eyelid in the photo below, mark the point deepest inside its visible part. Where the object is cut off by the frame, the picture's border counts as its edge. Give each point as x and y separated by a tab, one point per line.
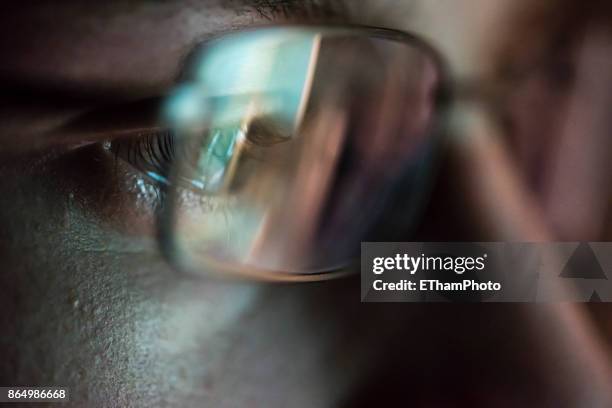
110	122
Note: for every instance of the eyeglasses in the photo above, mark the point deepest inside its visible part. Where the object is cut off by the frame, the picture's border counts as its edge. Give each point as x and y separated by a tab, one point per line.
292	145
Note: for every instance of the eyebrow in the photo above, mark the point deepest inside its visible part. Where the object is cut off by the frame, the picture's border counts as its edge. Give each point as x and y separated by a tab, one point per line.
269	9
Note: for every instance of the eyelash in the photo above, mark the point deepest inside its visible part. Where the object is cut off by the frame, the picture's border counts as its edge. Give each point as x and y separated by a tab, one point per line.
298	8
152	153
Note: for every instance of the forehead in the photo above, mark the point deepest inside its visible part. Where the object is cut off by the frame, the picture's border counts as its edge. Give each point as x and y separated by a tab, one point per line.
137	46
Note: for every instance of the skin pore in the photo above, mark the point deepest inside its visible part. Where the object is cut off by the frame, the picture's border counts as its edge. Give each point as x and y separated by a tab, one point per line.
88	302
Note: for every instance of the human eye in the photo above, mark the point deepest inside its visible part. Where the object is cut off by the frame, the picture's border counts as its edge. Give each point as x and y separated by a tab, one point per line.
150	153
285	147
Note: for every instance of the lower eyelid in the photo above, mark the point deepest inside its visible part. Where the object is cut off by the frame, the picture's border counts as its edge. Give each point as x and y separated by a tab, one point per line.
146	182
105	190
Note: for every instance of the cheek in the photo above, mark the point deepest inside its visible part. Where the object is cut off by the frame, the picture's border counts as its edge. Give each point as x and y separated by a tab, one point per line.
108	191
69	309
95	310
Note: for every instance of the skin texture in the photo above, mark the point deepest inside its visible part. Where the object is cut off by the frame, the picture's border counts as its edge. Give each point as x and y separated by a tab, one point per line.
88	302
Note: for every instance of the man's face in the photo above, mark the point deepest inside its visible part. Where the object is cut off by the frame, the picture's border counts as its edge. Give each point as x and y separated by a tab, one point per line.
87	300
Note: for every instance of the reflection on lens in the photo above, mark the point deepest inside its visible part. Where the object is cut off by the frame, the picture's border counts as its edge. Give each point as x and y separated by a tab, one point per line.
213	162
302	143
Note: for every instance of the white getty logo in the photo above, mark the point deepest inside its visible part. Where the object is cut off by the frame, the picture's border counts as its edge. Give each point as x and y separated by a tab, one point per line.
412	264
